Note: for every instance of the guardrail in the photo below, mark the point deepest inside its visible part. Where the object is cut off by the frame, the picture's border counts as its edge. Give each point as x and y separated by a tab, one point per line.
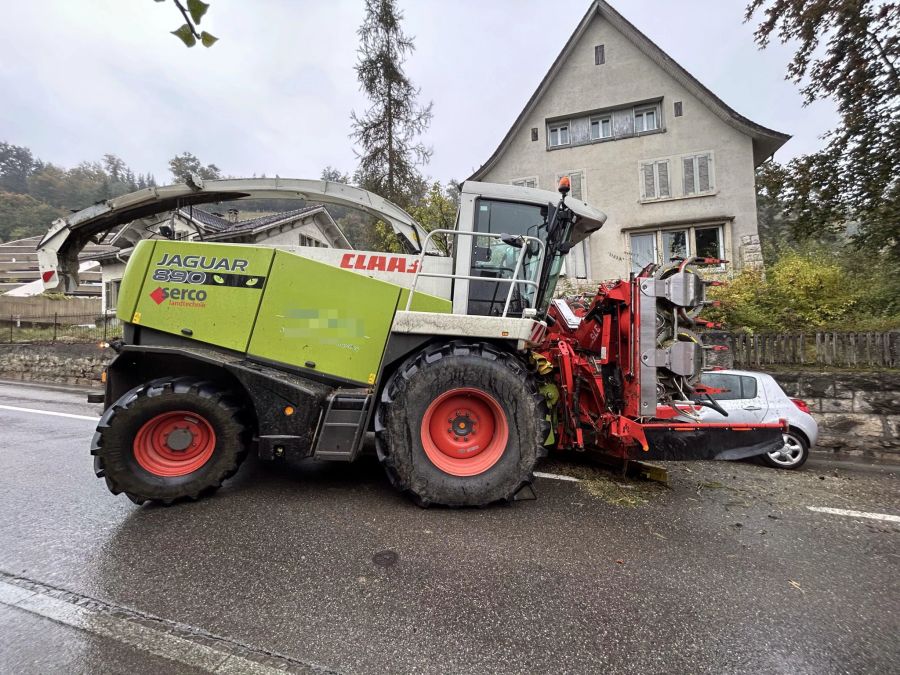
512	281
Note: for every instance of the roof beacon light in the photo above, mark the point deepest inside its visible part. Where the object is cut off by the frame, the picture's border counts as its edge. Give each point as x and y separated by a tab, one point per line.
565	185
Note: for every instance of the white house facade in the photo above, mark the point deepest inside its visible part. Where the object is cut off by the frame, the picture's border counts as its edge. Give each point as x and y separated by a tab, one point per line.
670	163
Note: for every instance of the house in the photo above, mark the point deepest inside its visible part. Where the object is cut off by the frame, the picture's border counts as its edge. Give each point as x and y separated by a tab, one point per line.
20	276
310	226
641	138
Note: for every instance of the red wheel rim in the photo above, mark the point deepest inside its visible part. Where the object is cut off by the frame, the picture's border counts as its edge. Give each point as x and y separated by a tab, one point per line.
174	443
464	432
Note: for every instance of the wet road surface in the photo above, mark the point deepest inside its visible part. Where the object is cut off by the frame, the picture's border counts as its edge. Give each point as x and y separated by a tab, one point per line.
317	568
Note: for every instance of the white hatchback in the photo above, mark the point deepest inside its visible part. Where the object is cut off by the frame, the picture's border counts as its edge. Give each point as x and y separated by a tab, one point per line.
757	397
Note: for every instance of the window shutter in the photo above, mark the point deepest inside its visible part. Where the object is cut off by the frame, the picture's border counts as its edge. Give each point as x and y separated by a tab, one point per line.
689	182
649	183
703	173
575	180
662	168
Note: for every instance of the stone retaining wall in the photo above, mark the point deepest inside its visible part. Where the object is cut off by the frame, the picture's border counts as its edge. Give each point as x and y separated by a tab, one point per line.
79	364
858	413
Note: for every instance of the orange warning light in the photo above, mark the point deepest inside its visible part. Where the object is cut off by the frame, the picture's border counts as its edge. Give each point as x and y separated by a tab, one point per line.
565	185
288	410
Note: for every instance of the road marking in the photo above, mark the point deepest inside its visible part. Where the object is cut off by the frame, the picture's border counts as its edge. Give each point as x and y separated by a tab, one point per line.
556	476
141	633
855	514
49	412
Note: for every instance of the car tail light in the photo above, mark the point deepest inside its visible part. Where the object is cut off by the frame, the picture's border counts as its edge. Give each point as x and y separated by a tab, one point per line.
801	404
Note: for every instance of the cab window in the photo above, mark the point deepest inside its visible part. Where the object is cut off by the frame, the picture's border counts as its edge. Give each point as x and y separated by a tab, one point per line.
493	259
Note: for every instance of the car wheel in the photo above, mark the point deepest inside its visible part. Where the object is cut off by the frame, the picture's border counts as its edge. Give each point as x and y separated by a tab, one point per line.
792	455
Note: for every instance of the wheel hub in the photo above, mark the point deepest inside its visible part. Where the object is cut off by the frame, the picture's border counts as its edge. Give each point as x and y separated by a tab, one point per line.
174	443
464	432
179	439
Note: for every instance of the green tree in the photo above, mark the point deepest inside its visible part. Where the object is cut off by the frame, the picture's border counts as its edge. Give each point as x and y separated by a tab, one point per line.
388	131
16	165
183	165
847	51
437	211
24	216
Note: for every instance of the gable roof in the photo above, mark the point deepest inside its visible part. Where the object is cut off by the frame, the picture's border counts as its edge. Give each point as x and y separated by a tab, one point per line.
765	141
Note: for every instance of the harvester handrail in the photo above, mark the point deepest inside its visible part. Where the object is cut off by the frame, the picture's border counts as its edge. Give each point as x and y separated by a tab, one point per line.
491	235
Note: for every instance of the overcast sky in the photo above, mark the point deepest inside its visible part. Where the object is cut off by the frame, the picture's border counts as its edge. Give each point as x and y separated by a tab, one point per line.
82	78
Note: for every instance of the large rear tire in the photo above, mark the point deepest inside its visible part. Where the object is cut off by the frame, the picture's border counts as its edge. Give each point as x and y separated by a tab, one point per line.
461	424
168	440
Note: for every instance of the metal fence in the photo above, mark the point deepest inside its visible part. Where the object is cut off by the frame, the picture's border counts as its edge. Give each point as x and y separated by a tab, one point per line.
824	348
56	328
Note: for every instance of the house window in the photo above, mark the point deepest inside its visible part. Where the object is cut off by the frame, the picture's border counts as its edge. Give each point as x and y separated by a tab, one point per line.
601	127
526	182
646	119
599	55
679	108
559	135
666	245
654	177
111	291
576	180
709	242
697	171
534	134
306	240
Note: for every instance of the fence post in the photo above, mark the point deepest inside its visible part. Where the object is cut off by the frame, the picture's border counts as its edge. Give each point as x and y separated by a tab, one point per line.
105	324
55	325
10	328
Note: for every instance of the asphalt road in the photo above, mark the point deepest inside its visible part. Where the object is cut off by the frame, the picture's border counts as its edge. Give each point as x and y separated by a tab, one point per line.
314	568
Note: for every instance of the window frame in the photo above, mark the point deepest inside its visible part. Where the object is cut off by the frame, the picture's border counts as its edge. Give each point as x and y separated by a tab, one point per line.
695	170
520	182
642	111
558	127
691	240
656	192
599	120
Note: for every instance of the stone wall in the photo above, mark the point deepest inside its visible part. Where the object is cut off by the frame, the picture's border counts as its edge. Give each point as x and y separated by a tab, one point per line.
78	364
858	413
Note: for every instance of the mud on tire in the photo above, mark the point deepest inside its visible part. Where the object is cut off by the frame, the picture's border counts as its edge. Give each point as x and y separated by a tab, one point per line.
497	381
119	459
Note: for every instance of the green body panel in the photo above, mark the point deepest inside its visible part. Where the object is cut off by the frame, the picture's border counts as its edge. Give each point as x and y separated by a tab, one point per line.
130	290
209	292
271	304
332	318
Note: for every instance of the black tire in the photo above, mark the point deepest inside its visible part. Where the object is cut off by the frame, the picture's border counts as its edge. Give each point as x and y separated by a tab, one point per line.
792	456
434	372
113	446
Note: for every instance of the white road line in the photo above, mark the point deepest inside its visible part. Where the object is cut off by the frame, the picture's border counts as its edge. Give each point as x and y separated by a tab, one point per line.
137	635
49	412
556	476
855	514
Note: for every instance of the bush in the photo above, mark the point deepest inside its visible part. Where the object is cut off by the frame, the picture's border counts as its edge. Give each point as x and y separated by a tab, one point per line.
811	290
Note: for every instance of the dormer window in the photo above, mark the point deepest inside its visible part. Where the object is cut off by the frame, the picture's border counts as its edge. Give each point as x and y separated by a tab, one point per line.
646	119
601	127
558	134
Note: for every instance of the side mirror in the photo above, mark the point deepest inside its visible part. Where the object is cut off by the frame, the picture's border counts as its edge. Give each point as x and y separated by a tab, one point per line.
514	241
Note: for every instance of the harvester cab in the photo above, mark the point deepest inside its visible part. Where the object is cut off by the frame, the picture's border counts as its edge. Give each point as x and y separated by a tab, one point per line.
454	354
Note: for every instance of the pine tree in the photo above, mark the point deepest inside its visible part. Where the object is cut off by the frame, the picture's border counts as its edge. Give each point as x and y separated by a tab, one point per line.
388	131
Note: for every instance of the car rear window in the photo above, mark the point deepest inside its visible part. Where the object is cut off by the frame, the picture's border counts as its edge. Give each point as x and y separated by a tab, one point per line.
748	386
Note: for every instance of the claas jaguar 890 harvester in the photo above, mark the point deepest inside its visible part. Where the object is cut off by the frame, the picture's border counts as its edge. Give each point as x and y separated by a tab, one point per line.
463	364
